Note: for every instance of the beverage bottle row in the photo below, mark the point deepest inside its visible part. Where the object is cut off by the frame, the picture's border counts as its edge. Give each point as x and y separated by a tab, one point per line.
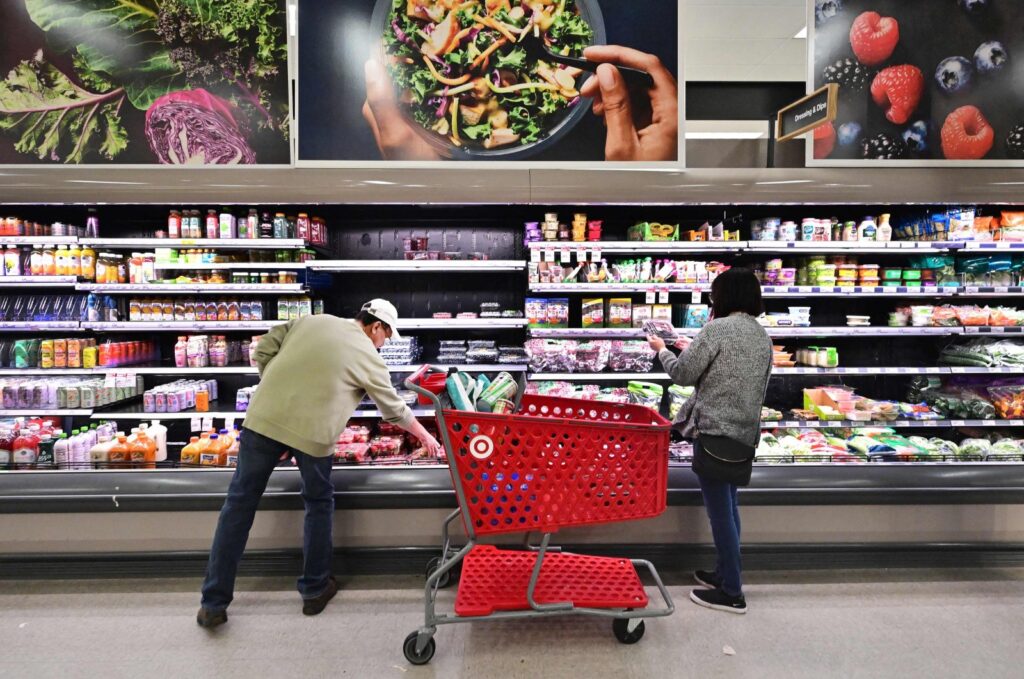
212	449
253	225
15	226
39	444
202	351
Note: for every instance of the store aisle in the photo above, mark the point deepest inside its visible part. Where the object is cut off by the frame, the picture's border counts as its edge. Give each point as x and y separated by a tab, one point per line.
825	624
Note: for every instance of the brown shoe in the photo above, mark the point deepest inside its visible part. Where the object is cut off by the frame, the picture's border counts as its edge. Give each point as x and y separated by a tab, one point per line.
317	604
209	618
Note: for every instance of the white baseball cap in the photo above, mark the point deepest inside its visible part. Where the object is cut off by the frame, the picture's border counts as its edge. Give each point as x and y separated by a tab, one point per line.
386	312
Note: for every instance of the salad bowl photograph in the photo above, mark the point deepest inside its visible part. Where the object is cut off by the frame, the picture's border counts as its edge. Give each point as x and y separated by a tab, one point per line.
488	80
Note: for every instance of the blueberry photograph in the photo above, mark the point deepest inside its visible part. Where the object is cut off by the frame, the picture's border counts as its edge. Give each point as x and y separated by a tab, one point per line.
931	81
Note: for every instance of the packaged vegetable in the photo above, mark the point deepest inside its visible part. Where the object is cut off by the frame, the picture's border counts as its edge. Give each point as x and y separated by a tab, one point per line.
975	447
1008	401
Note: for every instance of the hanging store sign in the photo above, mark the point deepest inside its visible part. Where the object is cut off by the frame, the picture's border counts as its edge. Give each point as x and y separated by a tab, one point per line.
807	114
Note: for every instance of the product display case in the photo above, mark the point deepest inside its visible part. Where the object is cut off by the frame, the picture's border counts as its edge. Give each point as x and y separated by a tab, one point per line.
476	255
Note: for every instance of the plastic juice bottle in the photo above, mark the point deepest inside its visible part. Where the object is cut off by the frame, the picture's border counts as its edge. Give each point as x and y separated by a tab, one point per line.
143	452
120	453
190	453
74	261
158	433
181	352
49	262
26	450
12	261
36	262
231	459
210	457
61	452
88	263
202	401
99	454
61	260
212	224
7	437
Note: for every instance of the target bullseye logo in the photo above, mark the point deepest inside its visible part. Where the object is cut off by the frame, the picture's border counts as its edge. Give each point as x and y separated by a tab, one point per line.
481	447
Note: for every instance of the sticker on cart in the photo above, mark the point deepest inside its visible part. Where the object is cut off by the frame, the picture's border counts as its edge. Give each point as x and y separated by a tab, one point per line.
481	447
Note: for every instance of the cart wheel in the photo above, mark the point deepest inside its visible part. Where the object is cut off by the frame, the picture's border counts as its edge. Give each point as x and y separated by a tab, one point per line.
620	627
446	579
409	649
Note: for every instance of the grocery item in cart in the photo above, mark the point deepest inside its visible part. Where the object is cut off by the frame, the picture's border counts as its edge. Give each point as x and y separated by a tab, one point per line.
645	394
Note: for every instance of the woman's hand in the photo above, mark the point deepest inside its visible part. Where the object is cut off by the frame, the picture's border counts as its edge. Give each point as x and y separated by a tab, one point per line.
683	343
656	343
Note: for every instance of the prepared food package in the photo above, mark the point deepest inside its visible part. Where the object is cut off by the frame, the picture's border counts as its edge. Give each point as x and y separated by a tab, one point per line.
631	356
592	357
551	355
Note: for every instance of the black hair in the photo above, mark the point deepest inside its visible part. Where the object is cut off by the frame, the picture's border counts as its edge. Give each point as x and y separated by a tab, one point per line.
366	319
736	290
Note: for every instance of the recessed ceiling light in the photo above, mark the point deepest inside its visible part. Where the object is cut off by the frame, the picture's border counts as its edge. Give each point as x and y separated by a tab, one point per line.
802	34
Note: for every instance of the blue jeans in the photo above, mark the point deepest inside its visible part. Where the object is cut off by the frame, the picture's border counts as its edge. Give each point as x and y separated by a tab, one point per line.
257	457
724	515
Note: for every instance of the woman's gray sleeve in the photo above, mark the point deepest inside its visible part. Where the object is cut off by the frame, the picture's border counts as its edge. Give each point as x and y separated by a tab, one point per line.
686	370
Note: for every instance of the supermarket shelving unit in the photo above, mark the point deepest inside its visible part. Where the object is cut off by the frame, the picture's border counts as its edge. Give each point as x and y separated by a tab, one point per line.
429	485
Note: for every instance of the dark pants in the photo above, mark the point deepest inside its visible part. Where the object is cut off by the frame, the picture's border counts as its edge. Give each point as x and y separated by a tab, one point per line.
724	515
257	457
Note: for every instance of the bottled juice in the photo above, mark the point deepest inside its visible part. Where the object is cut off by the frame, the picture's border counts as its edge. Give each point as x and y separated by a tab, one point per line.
158	433
143	451
26	450
61	452
12	261
202	401
74	261
120	452
99	454
181	352
61	260
190	453
49	262
88	263
211	456
36	262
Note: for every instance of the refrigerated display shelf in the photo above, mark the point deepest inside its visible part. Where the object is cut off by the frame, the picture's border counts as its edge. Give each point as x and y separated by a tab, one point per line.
140	370
853	247
38	326
754	247
475	367
217	266
192	288
630	247
460	323
588	288
136	412
780	372
37	281
897	424
597	377
214	243
65	412
416	266
424	486
179	326
832	331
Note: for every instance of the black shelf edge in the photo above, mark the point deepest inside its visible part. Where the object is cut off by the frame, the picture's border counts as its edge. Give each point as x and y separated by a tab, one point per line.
430	488
675	560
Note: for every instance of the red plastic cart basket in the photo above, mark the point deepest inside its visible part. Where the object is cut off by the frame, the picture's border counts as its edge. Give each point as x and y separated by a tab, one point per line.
553	463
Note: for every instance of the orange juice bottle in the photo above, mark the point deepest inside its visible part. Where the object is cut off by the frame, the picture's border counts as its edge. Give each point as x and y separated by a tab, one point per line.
143	451
49	261
210	457
120	453
190	453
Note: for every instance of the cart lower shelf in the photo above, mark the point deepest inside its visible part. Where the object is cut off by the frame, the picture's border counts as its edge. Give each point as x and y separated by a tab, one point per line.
495	579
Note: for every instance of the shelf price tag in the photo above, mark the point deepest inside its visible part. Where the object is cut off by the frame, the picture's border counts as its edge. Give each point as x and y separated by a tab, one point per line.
958	423
196	425
695	296
229	423
651	296
663	296
566	256
207	423
595	255
549	255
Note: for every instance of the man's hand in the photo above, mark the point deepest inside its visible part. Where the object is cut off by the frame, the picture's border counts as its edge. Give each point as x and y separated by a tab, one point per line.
433	447
395	138
649	134
656	343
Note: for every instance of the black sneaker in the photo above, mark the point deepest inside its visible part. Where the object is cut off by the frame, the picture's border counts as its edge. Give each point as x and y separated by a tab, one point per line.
719	600
317	604
209	618
709	579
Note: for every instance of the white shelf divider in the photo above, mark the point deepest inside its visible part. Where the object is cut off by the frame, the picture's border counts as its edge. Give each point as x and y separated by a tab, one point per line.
417	266
238	266
33	282
190	288
214	243
180	326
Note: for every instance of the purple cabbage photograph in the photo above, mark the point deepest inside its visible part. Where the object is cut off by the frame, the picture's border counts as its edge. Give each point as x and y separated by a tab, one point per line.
171	82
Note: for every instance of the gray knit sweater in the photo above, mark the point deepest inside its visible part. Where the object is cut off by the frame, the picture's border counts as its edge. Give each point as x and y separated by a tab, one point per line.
728	363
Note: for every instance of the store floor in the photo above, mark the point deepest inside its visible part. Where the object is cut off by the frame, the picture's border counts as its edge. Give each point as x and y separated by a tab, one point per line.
906	624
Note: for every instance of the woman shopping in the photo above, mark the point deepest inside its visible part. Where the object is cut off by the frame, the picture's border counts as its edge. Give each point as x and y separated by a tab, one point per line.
729	363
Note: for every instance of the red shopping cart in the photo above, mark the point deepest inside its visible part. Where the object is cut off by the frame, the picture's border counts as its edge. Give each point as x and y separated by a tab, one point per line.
552	463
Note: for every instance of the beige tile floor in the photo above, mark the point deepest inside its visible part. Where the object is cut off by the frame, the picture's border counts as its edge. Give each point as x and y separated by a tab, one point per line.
905	624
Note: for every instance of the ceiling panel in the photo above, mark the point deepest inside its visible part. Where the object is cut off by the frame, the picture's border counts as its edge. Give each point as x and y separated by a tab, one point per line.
744	40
